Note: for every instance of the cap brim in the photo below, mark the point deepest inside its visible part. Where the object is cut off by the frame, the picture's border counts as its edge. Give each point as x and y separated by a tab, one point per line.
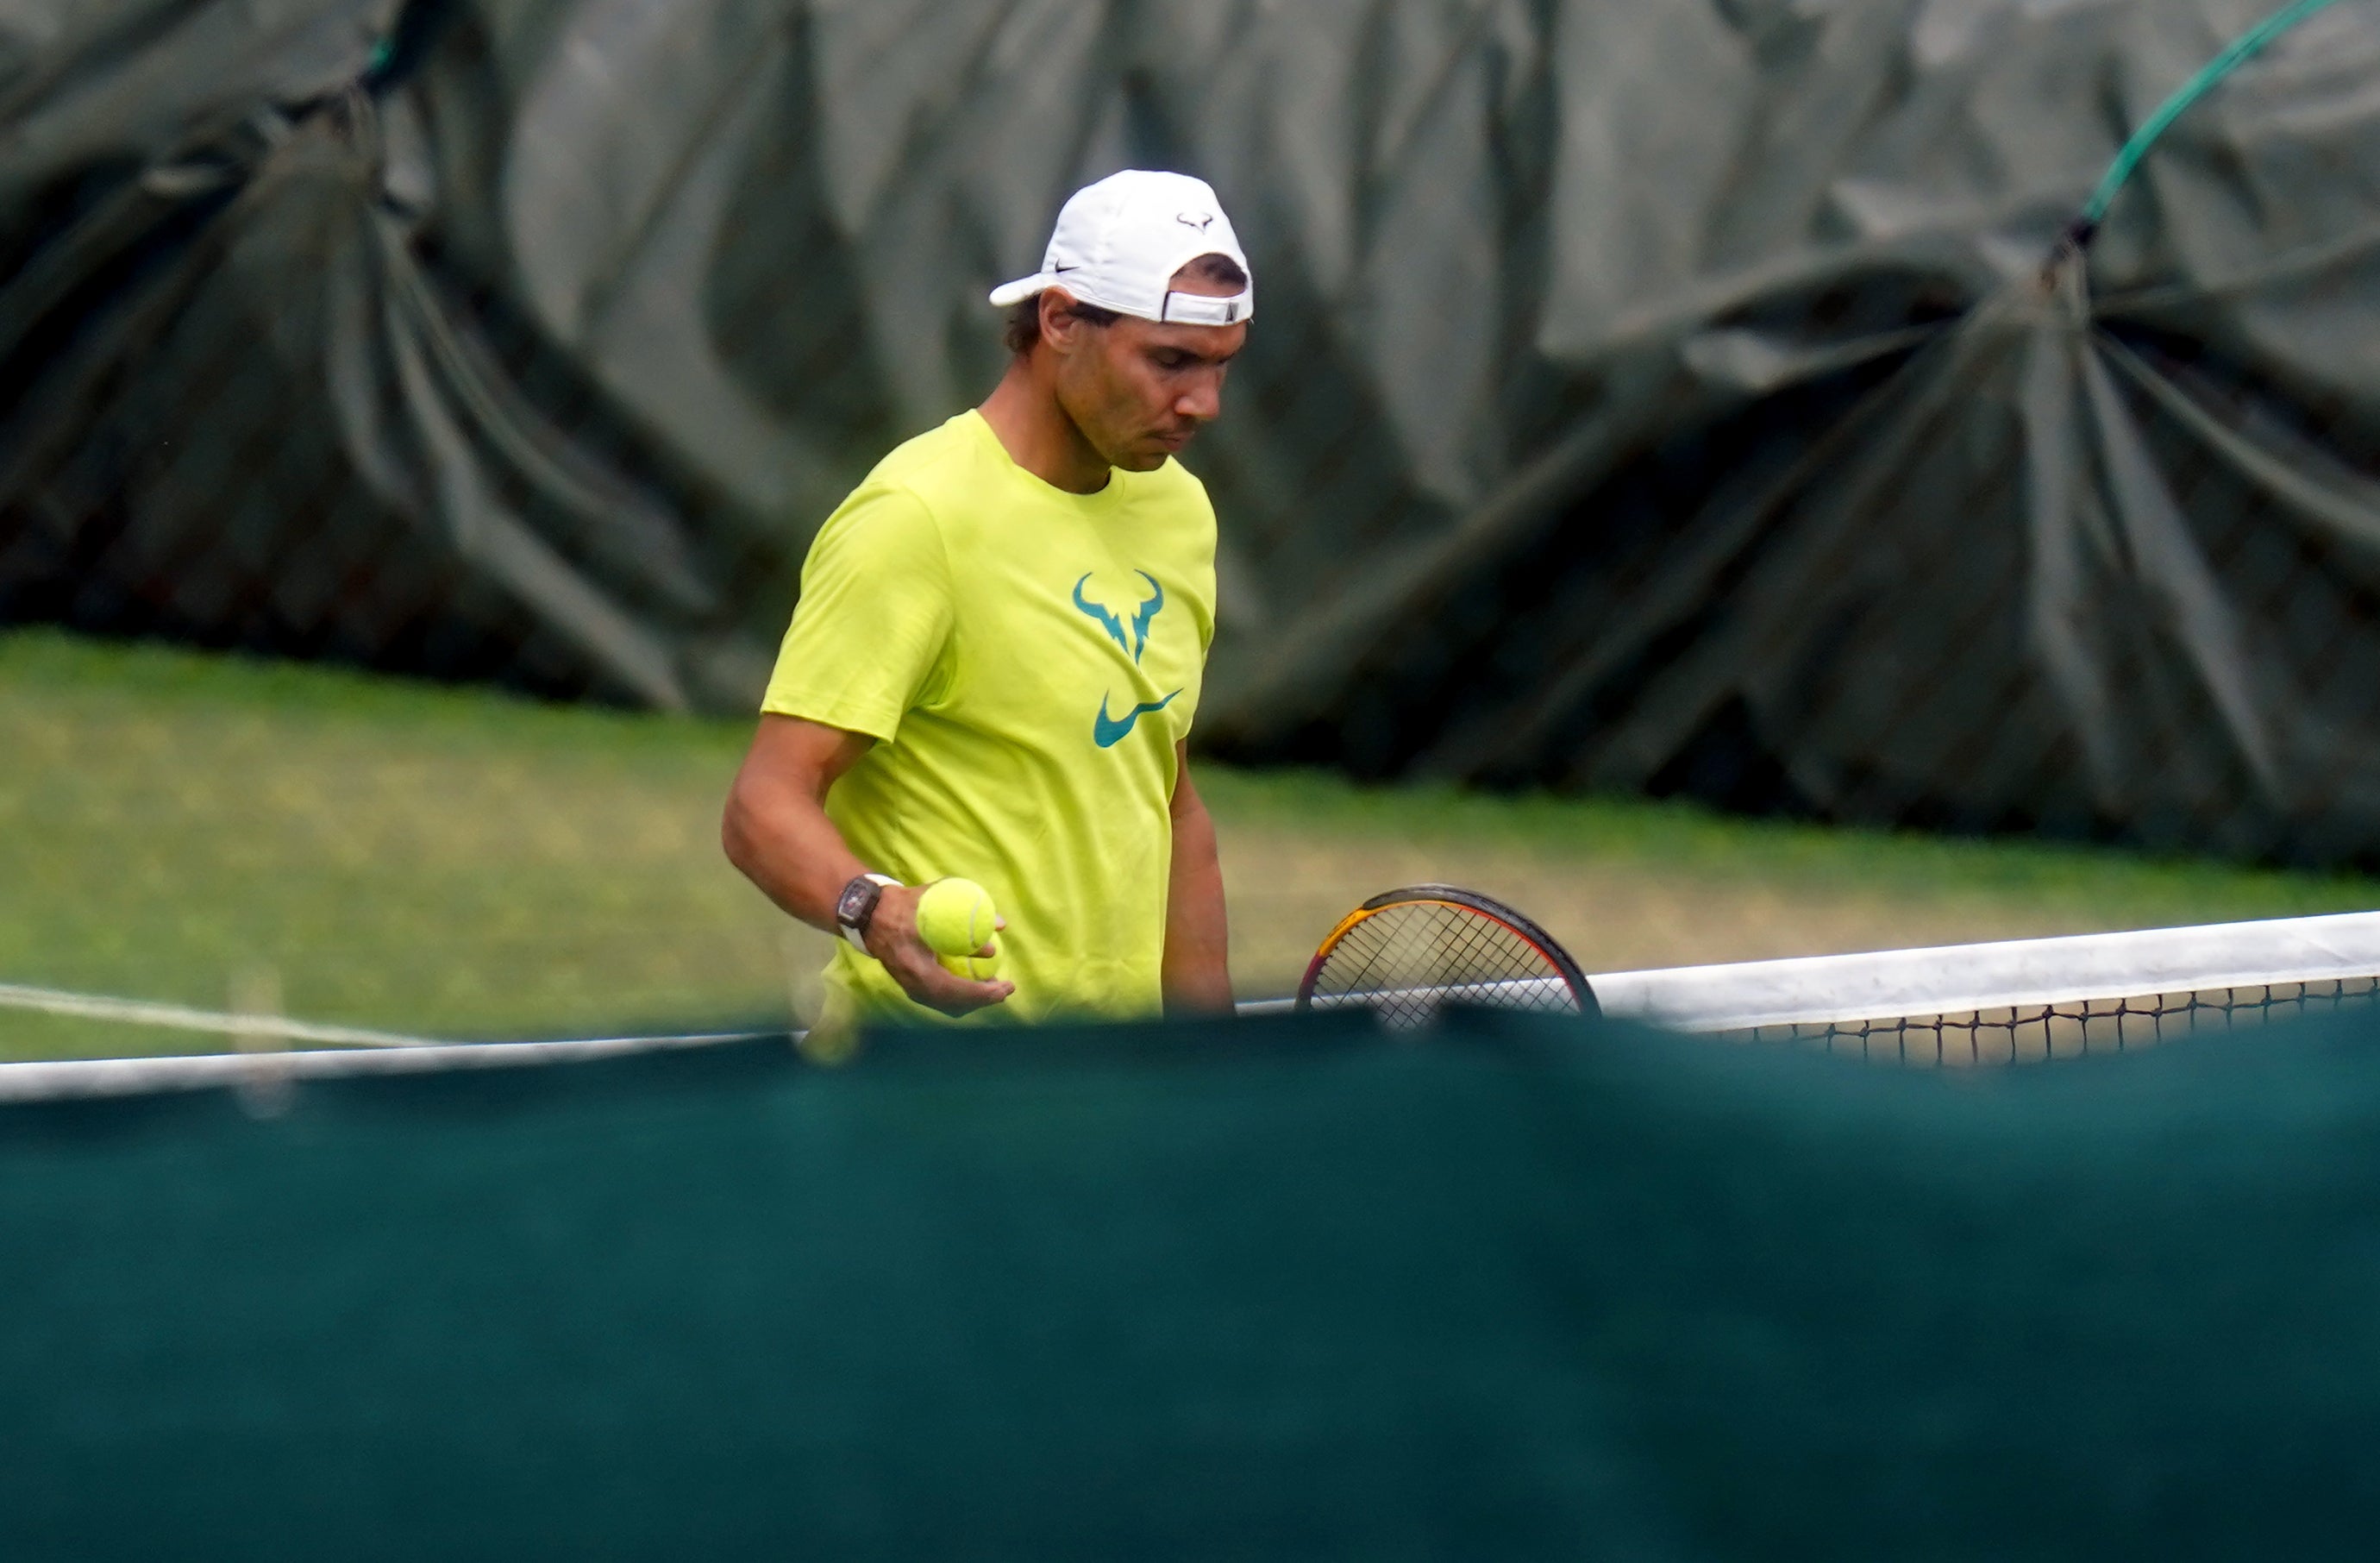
1024	288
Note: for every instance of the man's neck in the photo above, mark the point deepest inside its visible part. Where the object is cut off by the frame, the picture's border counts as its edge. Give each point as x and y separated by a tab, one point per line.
1039	436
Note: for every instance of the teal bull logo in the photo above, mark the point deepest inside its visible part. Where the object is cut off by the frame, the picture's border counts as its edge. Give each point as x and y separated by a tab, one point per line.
1108	731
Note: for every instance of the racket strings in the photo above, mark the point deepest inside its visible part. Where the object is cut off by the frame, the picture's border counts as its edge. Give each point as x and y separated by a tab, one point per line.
1408	961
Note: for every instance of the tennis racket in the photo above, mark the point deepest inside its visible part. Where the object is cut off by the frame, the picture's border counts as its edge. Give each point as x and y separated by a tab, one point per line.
1410	953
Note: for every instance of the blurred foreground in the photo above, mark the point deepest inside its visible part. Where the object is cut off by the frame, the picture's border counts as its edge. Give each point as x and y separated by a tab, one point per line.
262	837
1511	1291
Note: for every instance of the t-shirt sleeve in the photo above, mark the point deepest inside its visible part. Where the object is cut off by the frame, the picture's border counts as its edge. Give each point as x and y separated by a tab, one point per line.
870	635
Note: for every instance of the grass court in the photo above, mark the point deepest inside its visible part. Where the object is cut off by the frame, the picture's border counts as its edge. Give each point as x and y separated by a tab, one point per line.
226	833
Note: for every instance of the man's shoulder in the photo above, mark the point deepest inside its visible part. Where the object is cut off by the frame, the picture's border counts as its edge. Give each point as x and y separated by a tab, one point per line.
922	466
905	498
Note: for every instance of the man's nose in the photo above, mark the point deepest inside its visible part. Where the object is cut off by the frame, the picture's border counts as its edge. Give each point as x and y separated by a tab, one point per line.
1203	401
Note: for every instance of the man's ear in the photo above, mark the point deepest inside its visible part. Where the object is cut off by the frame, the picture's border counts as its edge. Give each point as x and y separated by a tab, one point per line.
1053	318
1059	321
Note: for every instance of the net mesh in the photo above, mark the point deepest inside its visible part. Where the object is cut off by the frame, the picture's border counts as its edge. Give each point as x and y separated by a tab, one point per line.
2030	1034
1409	961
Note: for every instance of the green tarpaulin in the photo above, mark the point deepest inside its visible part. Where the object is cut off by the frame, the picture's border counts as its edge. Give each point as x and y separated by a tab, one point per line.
1506	1291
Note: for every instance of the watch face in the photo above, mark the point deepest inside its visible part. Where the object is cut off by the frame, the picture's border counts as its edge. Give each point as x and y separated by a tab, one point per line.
854	901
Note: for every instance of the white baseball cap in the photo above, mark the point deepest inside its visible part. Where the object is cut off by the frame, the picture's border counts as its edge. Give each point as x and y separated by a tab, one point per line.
1119	243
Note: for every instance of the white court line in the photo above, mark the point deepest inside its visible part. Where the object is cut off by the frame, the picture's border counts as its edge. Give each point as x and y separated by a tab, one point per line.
353	1050
182	1017
52	1080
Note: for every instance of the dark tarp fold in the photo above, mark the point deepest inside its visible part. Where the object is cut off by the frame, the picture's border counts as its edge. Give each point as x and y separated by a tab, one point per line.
1653	397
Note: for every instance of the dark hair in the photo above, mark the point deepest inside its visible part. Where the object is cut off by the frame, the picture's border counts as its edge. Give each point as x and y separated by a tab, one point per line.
1023	326
1221	270
1024	322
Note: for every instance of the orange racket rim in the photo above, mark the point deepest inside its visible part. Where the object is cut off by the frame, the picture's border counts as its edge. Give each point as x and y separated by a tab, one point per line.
1460	899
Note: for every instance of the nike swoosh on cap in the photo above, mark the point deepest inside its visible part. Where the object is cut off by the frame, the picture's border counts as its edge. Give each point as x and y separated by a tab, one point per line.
1109	731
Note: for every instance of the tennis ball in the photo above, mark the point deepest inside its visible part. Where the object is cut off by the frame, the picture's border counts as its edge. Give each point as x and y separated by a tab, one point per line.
956	919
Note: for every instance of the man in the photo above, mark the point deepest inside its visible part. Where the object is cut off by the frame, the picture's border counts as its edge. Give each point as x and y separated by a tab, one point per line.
999	647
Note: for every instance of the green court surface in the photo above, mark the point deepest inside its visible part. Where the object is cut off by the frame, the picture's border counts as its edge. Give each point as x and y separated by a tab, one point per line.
230	834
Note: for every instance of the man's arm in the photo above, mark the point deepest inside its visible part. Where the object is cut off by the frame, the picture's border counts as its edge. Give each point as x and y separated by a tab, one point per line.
1198	970
776	830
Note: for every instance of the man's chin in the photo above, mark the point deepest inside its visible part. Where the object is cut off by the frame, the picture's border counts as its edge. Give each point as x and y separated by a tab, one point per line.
1146	454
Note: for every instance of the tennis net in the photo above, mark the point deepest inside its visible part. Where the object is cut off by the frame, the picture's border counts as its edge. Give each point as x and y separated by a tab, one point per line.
2008	1002
2021	999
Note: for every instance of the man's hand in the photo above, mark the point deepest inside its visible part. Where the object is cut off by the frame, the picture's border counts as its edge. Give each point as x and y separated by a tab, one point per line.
893	938
776	830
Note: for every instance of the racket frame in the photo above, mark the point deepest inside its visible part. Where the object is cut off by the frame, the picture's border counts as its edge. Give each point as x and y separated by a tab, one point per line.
1467	901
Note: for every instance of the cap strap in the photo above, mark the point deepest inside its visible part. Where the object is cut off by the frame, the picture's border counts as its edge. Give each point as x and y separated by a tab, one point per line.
1200	309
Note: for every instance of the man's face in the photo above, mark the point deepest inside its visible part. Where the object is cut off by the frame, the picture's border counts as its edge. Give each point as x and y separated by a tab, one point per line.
1139	390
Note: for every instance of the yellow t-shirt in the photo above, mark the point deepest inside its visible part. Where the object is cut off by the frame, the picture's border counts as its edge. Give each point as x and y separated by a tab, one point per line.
1026	659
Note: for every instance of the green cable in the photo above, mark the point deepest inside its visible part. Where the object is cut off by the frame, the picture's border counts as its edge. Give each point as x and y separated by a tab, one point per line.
2214	70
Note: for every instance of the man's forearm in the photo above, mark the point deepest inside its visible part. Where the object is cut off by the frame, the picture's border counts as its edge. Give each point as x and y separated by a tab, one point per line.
785	845
776	828
777	831
1197	966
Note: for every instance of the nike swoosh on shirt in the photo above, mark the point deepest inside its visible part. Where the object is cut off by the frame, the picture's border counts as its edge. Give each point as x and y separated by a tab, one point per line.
1109	731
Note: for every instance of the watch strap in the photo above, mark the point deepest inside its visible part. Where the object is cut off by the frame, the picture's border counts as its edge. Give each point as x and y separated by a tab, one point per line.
857	931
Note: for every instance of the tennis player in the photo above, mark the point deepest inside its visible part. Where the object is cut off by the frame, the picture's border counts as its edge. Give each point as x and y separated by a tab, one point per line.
998	645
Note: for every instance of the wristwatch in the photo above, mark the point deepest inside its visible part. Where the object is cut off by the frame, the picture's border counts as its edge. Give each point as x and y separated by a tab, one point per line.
857	904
